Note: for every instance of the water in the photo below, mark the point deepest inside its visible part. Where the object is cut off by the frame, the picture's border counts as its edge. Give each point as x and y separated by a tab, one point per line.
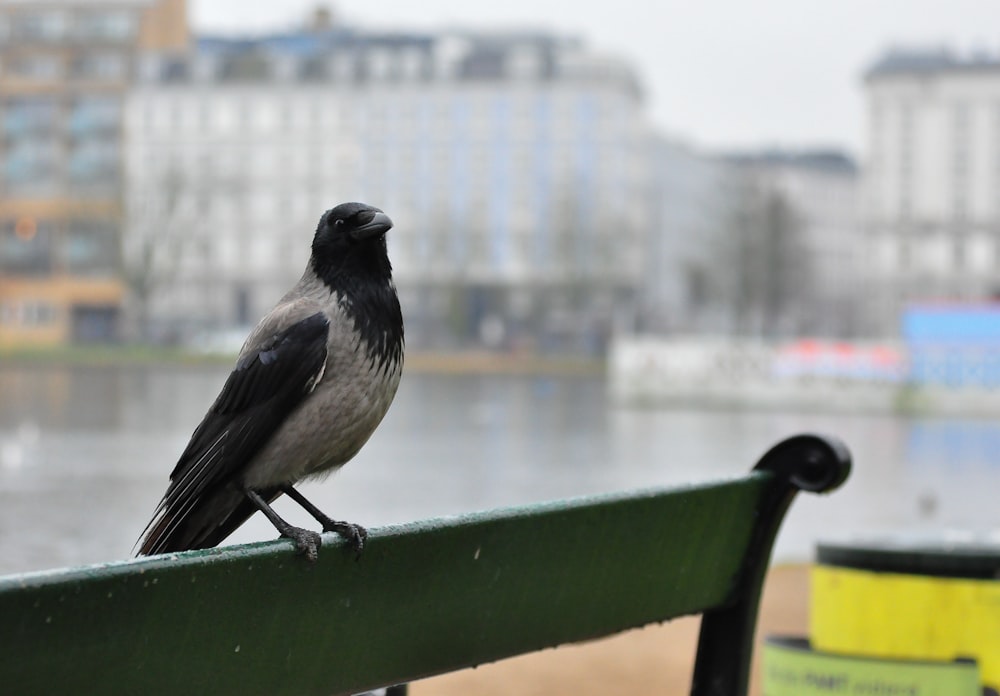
85	453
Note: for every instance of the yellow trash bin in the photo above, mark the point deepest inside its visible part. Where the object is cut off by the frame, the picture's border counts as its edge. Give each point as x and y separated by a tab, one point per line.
909	600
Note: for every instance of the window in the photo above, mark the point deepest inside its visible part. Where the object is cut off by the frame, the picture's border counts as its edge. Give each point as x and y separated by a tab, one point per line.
380	65
175	70
958	253
25	245
906	118
959	205
8	313
91	245
30	115
101	66
313	69
248	67
93	115
37	313
110	25
960	117
905	255
35	67
411	65
31	166
525	62
94	165
47	25
344	67
960	160
905	205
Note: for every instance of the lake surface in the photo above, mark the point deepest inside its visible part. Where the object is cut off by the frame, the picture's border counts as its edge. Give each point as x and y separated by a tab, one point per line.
85	453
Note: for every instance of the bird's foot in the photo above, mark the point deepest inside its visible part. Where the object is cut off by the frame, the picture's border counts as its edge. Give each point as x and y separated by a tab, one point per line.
355	534
306	542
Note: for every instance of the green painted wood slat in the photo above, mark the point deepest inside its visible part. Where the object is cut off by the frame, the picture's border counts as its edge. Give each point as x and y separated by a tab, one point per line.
422	599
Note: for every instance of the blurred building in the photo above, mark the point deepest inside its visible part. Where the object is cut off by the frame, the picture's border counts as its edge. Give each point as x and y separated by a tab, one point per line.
685	274
65	67
932	208
799	214
764	243
512	164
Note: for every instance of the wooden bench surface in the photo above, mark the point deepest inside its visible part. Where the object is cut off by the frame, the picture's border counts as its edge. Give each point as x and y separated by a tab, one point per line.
422	599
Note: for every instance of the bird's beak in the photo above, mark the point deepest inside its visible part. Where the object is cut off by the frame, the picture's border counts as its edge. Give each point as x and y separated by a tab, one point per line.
379	224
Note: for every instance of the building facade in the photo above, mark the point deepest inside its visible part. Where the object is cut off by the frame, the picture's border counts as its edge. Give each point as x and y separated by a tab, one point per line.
64	70
511	163
764	243
932	190
799	213
684	290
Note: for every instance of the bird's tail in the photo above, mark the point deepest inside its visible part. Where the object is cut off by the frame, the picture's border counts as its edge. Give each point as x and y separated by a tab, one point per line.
202	524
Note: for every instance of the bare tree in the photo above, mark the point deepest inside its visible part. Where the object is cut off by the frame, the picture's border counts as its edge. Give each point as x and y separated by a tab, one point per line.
153	242
768	261
166	228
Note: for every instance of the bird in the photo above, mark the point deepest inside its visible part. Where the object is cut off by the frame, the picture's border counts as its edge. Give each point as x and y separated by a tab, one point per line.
311	384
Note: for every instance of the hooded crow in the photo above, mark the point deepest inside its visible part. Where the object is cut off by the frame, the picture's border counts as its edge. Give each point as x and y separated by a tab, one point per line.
311	384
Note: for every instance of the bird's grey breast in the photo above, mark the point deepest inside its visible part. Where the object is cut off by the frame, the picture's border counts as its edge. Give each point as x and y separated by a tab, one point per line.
348	401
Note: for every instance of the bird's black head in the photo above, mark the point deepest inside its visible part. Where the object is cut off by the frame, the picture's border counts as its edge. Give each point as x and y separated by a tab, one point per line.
349	257
350	240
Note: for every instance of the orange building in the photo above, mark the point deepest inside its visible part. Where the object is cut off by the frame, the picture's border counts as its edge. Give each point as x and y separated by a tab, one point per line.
66	66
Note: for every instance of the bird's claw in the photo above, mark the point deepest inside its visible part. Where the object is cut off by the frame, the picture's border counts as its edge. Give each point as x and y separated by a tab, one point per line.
355	534
307	543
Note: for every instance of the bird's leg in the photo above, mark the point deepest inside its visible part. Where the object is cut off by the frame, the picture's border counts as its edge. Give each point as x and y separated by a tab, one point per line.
306	542
355	534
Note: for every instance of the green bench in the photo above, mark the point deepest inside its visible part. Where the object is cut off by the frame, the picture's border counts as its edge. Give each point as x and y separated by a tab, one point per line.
423	599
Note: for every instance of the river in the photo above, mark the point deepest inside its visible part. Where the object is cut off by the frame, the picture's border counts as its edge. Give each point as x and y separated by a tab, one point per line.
85	453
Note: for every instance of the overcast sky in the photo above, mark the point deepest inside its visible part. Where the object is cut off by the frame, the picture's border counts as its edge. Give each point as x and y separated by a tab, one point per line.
721	73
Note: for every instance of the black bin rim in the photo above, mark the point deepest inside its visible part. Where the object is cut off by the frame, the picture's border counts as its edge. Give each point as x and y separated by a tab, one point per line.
976	560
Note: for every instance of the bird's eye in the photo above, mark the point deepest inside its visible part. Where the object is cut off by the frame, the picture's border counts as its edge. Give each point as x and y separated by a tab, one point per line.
338	223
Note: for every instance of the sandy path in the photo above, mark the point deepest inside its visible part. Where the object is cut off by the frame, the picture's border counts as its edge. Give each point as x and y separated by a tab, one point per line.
656	659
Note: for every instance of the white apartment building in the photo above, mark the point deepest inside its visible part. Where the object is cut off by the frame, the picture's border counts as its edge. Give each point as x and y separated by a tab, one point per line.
512	165
932	190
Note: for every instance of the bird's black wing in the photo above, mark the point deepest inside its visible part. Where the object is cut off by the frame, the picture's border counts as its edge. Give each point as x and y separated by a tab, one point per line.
272	376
